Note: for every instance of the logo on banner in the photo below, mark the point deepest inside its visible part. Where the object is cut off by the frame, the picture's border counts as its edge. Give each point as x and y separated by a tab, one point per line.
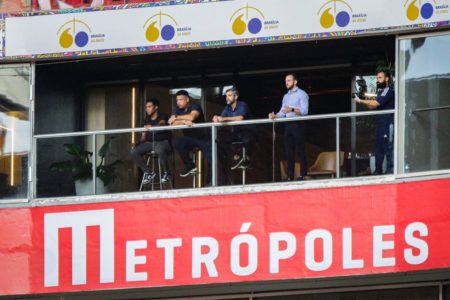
79	222
424	9
335	12
74	31
161	25
340	13
247	18
77	33
252	20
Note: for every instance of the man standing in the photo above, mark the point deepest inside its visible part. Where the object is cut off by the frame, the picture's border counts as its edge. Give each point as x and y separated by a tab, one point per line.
187	113
153	141
235	110
295	103
384	139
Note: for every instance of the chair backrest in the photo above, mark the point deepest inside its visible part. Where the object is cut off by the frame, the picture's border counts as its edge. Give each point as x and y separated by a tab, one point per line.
326	161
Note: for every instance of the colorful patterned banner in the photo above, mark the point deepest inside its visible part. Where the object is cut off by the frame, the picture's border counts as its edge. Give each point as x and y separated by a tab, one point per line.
198	24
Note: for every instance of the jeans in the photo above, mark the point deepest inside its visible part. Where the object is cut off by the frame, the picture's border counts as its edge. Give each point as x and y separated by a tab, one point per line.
161	148
185	144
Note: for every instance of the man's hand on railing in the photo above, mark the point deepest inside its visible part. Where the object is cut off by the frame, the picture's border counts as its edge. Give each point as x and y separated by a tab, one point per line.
188	123
217	119
172	120
272	115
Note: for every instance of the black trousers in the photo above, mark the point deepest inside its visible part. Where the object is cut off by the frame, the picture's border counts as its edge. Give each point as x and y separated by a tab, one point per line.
384	145
294	142
225	139
185	144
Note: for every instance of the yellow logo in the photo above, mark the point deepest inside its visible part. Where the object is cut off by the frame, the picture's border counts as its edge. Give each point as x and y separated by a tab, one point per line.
335	11
253	20
426	10
74	31
162	25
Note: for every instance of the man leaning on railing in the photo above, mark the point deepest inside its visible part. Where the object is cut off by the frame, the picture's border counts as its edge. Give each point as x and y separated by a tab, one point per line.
235	110
187	113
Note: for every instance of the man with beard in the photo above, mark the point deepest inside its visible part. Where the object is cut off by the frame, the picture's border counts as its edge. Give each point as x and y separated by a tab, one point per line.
295	104
236	110
384	140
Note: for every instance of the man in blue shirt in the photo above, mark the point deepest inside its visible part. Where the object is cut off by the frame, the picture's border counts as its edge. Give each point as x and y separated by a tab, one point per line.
295	103
384	139
235	110
187	113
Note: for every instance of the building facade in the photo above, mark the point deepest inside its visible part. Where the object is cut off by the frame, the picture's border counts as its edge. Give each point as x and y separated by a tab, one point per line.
73	86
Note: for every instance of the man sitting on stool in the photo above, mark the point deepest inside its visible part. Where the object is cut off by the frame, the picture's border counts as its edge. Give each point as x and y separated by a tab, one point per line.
157	141
234	111
187	113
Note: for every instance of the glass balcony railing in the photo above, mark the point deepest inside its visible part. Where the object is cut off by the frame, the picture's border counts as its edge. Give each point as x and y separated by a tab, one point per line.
207	155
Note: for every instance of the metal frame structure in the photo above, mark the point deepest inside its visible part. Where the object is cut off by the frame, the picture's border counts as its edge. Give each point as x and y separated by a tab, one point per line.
439	285
399	150
213	127
399	125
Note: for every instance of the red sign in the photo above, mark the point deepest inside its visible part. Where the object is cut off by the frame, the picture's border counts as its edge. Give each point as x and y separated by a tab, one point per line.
231	238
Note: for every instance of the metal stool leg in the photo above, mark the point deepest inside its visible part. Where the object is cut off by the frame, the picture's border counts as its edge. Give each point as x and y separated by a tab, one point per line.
142	180
142	184
159	174
153	171
244	169
194	176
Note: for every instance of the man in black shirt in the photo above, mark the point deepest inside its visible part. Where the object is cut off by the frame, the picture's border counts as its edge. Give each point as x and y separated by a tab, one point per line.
187	113
157	141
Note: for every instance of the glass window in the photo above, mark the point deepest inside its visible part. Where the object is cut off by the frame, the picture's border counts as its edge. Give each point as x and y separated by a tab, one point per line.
446	295
426	293
424	69
14	131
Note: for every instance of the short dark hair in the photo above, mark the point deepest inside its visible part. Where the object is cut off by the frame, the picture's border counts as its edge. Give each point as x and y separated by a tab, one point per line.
385	72
293	75
234	90
182	93
153	101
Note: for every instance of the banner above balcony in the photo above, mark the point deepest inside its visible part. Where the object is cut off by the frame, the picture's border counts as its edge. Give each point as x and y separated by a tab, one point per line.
175	25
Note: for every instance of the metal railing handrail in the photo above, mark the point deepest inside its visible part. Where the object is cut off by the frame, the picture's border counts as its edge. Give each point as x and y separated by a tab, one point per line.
211	124
213	127
417	110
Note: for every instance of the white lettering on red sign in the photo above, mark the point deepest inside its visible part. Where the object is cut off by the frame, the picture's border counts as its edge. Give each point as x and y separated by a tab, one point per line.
319	249
78	222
